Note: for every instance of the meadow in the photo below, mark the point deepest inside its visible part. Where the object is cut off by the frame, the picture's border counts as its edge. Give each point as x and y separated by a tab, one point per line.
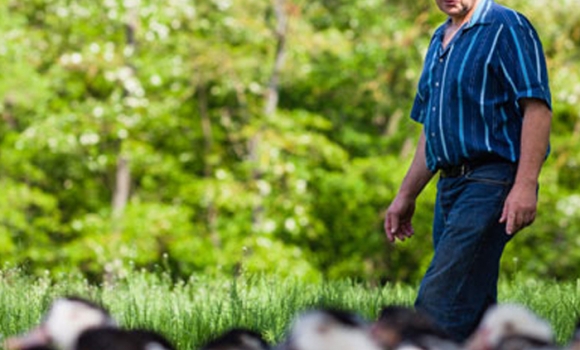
189	312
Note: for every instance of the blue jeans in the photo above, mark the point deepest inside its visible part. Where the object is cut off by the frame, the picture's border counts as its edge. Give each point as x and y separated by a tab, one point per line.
461	281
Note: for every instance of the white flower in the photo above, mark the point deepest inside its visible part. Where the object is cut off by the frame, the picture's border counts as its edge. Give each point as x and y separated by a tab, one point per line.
155	80
264	187
89	138
98	111
570	206
290	224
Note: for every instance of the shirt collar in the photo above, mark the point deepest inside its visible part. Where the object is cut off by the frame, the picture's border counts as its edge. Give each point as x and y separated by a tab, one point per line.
480	16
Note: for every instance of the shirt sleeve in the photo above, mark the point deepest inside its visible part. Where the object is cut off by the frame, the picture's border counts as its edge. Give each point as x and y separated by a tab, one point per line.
418	110
422	95
523	63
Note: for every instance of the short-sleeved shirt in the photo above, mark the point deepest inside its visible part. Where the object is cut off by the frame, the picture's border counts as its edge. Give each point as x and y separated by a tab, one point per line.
468	94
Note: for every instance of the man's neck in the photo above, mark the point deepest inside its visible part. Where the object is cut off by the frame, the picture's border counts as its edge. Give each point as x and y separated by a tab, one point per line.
459	20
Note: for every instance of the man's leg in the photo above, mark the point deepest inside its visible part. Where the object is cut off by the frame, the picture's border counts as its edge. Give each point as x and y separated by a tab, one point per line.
461	281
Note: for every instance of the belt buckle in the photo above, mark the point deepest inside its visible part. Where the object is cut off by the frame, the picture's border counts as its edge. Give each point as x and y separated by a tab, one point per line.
456	171
463	169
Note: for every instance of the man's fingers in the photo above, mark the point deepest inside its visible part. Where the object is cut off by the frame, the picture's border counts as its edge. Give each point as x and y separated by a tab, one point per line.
517	221
511	225
394	224
531	219
528	219
408	229
391	227
519	209
395	229
504	214
404	231
531	216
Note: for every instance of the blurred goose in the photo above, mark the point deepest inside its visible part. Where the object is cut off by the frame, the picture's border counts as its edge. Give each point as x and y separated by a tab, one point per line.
511	327
122	339
328	329
73	323
237	339
39	347
575	341
66	319
400	327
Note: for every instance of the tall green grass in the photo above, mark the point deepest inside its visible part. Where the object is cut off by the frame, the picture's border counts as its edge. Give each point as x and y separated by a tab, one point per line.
192	311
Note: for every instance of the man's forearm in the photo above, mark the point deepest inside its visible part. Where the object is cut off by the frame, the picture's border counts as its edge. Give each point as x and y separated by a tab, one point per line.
418	174
519	209
534	143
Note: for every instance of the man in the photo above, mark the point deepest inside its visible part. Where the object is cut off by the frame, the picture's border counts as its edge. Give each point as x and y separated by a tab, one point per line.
484	102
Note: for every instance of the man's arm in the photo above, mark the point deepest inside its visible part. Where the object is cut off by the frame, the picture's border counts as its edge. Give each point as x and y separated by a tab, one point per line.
400	212
519	208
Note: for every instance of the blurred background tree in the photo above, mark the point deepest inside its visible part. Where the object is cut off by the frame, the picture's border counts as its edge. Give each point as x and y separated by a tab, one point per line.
222	137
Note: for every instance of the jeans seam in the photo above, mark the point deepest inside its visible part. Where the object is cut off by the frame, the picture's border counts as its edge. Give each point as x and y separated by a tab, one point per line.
471	176
488	181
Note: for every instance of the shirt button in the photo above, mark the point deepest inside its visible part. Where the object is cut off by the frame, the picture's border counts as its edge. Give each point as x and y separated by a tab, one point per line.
432	134
434	109
437	84
440	60
439	158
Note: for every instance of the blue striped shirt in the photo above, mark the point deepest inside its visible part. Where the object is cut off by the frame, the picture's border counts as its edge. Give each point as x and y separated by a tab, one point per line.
468	93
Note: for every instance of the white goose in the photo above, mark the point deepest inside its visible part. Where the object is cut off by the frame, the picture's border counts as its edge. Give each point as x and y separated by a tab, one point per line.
74	323
328	329
511	327
574	343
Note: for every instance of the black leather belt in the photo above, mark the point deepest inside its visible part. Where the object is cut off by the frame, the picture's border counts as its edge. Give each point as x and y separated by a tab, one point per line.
464	168
456	170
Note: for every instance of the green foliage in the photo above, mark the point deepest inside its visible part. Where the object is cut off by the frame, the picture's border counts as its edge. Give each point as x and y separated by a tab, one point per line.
218	184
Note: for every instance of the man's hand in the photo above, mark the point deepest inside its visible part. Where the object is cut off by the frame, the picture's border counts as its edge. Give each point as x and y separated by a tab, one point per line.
519	209
400	212
398	219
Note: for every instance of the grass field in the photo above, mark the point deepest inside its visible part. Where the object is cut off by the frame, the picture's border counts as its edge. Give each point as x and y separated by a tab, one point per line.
190	312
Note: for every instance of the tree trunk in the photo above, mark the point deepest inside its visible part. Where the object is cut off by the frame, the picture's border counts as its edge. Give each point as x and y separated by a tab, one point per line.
280	32
206	127
7	115
122	186
272	96
123	176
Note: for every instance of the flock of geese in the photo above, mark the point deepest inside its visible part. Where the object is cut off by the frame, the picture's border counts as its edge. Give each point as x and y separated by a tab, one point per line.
74	323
